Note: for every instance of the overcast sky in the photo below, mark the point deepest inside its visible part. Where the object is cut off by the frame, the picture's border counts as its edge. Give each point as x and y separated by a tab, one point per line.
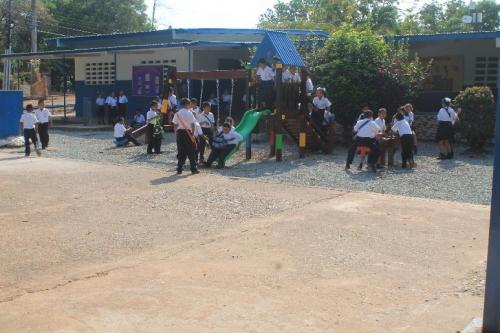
219	13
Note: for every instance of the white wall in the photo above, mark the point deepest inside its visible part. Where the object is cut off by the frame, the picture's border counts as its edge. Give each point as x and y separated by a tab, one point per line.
208	60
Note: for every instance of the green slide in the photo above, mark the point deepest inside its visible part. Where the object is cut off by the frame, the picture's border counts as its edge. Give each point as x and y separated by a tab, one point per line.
246	126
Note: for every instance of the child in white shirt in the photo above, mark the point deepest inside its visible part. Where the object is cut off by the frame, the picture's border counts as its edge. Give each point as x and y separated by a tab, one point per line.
29	122
402	127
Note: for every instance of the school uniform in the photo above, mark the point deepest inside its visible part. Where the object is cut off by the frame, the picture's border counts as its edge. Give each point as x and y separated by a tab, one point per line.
138	121
381	123
186	142
100	109
366	133
402	127
172	103
320	106
111	102
29	121
206	122
43	117
223	144
266	92
309	88
196	111
122	105
446	118
154	141
287	76
296	78
122	137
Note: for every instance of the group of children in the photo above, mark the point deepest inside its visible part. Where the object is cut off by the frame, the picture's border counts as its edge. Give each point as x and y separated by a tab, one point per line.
33	122
111	108
369	131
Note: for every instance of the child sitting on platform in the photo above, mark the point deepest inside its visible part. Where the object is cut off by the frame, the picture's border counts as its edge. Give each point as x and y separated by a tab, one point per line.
122	135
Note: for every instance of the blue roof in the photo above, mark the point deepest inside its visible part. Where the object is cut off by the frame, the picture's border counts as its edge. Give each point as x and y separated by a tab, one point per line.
58	54
450	36
171	35
278	44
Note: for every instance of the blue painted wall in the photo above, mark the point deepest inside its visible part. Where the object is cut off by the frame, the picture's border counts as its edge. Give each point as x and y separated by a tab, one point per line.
11	108
86	91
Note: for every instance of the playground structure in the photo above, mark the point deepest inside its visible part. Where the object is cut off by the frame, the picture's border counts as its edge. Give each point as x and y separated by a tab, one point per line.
288	117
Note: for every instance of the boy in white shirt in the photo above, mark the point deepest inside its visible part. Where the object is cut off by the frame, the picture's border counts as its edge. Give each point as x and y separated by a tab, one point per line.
224	142
265	75
111	103
206	120
122	135
184	126
194	107
366	135
28	123
154	141
43	116
402	127
321	104
122	104
100	108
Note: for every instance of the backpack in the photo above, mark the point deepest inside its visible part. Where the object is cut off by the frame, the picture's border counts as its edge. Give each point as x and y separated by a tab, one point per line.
218	141
158	129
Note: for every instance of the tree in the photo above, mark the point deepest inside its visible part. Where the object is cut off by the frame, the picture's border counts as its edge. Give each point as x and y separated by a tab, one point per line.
491	20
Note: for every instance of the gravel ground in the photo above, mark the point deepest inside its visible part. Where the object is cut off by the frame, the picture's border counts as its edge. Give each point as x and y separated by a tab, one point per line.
465	179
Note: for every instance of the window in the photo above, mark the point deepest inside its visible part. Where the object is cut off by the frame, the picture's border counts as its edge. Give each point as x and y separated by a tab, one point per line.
486	70
99	73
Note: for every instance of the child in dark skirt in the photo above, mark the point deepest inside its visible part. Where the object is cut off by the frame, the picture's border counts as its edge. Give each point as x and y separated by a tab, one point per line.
445	135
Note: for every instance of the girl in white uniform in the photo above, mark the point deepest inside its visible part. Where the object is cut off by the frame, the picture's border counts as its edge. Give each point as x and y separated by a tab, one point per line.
321	104
445	135
402	127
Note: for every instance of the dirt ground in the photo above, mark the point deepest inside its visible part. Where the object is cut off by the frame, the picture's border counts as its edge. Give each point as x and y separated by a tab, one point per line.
101	248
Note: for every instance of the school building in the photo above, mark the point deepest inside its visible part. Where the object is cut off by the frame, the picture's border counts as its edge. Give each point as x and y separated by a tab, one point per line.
460	60
138	63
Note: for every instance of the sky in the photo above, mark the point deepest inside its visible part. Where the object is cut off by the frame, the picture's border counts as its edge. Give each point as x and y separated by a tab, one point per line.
219	13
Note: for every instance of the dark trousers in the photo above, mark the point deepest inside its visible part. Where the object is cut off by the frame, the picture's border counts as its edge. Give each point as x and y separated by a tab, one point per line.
100	114
122	110
203	144
366	142
123	141
43	132
29	134
154	143
186	148
219	154
317	117
406	148
112	114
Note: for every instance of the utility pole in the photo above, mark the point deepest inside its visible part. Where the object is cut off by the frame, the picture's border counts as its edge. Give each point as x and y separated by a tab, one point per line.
8	50
153	16
34	40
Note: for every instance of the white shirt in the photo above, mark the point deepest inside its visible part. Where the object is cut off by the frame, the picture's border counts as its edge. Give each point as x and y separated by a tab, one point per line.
150	115
226	98
172	101
410	117
381	123
232	137
321	103
28	119
100	101
119	130
370	130
111	101
139	118
206	120
287	76
402	127
196	111
184	119
265	74
328	117
296	78
122	99
444	116
309	86
43	115
197	129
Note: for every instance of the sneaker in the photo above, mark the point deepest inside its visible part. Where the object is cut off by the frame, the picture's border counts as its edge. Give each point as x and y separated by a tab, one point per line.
195	172
441	157
403	166
360	166
179	172
347	166
38	152
413	164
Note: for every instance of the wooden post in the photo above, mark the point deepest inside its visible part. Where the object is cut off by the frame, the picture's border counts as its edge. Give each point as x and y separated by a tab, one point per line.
303	111
249	89
272	137
248	145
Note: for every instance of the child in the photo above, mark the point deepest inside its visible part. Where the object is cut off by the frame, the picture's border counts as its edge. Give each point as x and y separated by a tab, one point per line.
29	121
111	103
138	120
321	104
194	107
207	122
265	76
295	75
172	100
410	118
366	133
402	127
121	134
100	111
225	140
380	121
43	116
184	126
122	104
154	135
445	135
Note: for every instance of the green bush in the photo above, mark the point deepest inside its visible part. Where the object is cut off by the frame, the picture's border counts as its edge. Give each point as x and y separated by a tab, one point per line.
477	116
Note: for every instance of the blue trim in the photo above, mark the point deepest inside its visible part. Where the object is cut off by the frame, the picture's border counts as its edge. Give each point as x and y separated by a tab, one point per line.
62	53
455	36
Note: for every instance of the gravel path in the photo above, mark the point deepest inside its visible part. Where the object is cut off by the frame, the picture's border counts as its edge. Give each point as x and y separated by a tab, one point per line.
464	179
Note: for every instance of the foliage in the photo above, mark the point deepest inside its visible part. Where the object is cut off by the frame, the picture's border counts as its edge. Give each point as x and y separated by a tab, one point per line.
477	117
359	68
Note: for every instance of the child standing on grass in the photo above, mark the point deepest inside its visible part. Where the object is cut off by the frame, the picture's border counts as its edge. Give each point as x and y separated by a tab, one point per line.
402	127
43	116
28	122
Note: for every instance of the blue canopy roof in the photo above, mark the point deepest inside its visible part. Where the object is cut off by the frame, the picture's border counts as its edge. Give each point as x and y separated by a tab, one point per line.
278	44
